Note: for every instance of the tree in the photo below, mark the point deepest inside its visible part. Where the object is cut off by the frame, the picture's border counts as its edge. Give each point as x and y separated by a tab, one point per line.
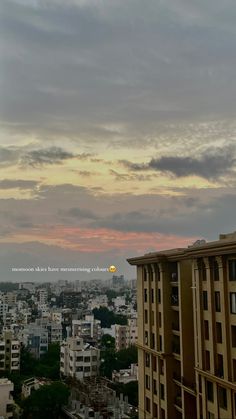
46	402
107	341
112	360
49	364
108	318
130	389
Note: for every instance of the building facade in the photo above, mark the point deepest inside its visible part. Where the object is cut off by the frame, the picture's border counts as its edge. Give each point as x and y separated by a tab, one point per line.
187	331
9	352
6	399
79	360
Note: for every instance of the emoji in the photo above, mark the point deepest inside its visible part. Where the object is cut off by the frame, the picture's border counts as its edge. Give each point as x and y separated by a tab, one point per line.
112	269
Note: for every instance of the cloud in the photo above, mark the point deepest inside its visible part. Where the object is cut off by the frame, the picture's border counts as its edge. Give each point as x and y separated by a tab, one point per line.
18	184
79	213
52	155
211	165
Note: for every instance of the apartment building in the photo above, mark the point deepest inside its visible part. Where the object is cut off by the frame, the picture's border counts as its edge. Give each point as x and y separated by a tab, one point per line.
214	308
165	325
6	399
35	338
9	352
187	331
89	329
78	359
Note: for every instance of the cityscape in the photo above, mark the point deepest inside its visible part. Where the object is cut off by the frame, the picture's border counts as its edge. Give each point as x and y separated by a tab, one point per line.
117	209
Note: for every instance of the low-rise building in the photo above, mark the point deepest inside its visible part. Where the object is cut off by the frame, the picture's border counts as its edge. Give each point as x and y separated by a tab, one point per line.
9	352
79	360
6	399
89	329
126	375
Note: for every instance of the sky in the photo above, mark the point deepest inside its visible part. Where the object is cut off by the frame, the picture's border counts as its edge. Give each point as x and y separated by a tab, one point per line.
118	130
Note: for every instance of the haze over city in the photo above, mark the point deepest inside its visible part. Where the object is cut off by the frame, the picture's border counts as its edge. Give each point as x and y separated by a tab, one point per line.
118	130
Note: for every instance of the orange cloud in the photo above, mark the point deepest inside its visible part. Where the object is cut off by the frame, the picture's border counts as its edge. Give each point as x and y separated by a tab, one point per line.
99	240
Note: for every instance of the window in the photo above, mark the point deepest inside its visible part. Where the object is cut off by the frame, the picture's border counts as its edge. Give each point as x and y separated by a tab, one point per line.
147	360
207	359
79	359
233	333
161	365
162	391
217	301
153	318
218	332
223	397
154	410
234	370
145	316
204	272
147	403
86	369
206	329
147	382
152	295
232	270
153	343
87	359
154	363
210	395
159	295
220	366
233	302
205	300
216	275
159	318
155	386
146	338
145	295
160	343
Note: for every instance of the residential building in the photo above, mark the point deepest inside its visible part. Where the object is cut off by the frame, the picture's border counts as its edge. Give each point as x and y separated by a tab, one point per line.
9	352
121	337
6	399
79	359
35	338
126	375
89	329
187	331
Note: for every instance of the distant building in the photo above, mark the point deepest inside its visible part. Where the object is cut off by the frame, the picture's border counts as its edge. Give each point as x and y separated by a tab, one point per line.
79	360
35	338
6	398
31	384
9	352
88	329
126	375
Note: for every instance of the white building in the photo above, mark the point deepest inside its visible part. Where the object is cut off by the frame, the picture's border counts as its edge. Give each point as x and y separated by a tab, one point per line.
6	399
31	384
126	336
9	352
89	329
79	360
126	375
98	301
119	301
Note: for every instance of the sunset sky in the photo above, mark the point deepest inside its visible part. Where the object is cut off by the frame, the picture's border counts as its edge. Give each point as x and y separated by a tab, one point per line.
118	130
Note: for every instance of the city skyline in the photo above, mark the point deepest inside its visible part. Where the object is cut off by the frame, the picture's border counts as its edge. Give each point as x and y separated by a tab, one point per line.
118	133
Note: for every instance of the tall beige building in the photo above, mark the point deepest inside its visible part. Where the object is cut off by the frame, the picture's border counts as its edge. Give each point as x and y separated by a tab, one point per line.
187	331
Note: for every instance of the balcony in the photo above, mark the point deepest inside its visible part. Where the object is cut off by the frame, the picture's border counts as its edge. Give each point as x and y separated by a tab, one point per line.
175	327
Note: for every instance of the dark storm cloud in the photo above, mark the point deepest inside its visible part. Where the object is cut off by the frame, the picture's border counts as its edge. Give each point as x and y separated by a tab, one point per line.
211	165
18	183
79	213
52	155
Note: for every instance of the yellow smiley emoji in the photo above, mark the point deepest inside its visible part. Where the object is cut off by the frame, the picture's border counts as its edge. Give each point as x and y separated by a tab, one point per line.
112	269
